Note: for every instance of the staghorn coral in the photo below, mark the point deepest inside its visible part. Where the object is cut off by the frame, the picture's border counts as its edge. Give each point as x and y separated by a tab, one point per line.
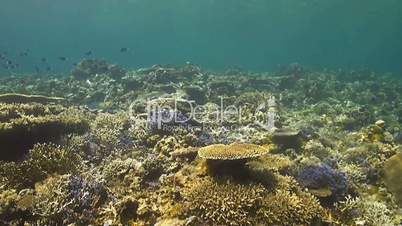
224	203
107	128
285	208
43	160
228	203
68	199
358	211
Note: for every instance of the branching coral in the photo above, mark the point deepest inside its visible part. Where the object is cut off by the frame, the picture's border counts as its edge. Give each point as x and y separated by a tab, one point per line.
286	208
224	203
358	211
43	160
68	199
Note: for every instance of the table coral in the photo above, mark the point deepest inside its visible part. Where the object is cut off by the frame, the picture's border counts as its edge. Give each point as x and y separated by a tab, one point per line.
23	125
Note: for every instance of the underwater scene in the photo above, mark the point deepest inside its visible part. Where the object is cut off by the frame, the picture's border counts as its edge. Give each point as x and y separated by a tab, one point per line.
201	113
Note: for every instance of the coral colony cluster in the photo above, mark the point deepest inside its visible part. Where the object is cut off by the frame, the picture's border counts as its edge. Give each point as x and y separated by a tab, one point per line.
171	145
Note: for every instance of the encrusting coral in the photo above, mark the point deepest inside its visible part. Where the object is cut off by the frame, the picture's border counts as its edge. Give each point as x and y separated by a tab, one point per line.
393	176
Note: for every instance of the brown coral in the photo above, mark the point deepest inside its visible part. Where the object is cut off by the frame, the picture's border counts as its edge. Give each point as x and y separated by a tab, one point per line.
224	203
233	151
286	208
43	160
228	203
23	125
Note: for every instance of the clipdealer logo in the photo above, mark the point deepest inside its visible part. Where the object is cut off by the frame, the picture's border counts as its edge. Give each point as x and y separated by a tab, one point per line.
160	112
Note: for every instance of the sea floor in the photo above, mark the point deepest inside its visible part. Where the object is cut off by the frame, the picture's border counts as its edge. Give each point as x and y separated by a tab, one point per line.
180	145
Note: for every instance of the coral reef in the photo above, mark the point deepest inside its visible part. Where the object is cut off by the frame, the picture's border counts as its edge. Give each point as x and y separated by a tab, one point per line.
293	147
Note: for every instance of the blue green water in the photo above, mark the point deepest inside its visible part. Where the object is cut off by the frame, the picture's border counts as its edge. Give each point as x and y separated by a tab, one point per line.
216	34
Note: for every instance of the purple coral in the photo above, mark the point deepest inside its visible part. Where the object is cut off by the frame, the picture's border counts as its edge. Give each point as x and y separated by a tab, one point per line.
84	197
322	176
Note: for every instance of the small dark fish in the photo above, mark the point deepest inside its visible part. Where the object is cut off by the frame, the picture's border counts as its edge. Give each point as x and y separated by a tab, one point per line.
48	68
9	62
24	54
63	58
44	60
89	53
75	64
124	49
